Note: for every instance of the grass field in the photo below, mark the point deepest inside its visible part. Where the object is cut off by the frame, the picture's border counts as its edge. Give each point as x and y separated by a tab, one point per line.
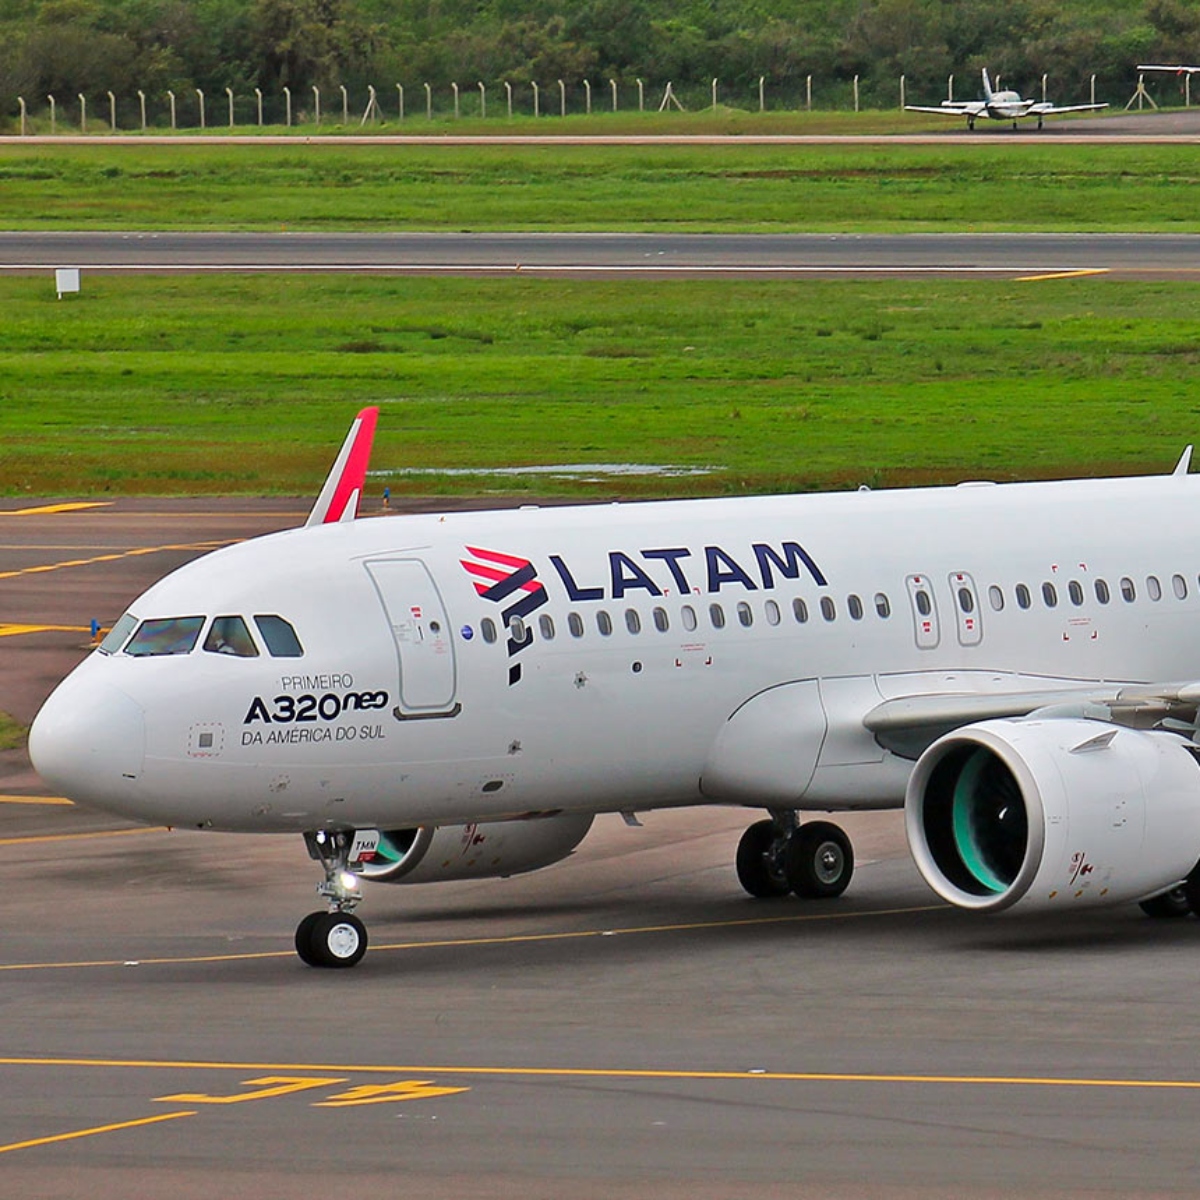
244	384
1018	183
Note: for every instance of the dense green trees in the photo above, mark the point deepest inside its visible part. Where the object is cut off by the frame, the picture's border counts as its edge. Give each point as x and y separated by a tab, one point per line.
66	47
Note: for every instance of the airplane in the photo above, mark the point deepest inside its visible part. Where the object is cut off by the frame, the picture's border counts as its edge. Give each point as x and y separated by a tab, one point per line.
1005	105
457	695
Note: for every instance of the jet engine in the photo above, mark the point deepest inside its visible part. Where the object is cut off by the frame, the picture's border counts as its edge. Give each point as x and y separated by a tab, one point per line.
430	854
1053	813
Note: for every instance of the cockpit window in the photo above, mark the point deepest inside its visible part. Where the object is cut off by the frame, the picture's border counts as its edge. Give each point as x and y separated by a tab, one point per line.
117	635
166	635
229	635
280	637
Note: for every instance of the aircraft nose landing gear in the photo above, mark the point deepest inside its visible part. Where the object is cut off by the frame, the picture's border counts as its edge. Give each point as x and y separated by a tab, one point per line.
814	860
336	938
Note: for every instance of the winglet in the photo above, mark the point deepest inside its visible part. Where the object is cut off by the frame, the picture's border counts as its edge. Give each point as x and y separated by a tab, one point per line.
338	500
1185	461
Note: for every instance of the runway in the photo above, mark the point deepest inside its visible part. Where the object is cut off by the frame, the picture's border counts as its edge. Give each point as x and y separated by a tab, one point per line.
622	1024
608	254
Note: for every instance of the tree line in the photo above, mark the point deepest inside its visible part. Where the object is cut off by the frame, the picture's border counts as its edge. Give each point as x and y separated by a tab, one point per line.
69	47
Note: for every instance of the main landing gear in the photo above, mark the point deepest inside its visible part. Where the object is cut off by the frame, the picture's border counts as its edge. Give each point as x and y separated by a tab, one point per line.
335	938
777	856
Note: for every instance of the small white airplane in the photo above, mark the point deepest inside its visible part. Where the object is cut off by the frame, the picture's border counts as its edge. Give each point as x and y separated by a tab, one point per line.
1001	106
452	696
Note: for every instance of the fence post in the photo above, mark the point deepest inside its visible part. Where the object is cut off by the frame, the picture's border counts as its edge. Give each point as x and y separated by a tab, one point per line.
482	101
171	97
258	100
345	105
508	94
562	99
53	123
1093	89
537	111
762	100
112	112
587	92
950	89
808	93
428	102
316	105
612	83
1043	89
454	89
82	112
714	95
901	93
287	102
641	97
21	102
142	107
200	94
400	97
229	93
856	93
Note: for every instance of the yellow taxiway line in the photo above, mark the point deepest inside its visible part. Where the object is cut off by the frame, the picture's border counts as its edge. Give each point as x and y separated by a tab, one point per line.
34	800
82	1133
1081	273
79	837
100	558
519	1072
47	509
9	630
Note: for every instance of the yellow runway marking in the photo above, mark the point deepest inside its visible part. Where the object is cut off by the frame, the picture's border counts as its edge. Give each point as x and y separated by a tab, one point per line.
34	800
46	509
386	1093
1079	274
100	558
265	1089
14	630
619	1073
79	837
82	1133
450	943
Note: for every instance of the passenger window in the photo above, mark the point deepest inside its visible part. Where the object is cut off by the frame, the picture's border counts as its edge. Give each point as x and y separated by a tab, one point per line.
1128	591
745	615
965	600
924	606
1050	595
716	614
1179	585
488	628
170	635
229	635
575	624
633	622
1153	587
771	612
516	629
546	626
1101	589
1075	591
661	621
687	615
280	637
854	607
117	635
996	598
828	609
799	611
604	623
1022	594
883	606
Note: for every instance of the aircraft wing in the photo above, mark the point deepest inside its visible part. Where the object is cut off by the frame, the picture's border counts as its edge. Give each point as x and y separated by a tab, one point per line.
1049	110
338	500
950	108
907	725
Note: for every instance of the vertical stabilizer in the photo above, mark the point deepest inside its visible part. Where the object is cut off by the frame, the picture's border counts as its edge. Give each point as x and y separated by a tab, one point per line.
338	500
987	86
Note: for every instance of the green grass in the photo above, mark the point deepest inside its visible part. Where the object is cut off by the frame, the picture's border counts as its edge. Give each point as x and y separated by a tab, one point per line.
246	383
1017	183
12	734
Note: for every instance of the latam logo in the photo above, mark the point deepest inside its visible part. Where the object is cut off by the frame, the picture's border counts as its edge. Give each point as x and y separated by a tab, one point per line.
505	577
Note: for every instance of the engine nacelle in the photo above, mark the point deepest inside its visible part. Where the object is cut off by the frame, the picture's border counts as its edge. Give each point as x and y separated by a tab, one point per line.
1053	813
431	854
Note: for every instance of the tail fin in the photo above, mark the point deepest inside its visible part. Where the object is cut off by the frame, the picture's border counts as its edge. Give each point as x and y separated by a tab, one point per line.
338	500
987	85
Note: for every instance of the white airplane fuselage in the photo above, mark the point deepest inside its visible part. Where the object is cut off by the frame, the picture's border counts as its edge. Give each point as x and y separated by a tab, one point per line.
657	658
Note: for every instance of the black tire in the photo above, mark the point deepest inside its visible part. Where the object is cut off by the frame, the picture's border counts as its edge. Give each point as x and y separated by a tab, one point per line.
755	871
331	939
819	861
1174	903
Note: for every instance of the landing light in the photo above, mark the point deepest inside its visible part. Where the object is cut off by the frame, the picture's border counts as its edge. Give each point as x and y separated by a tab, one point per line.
349	881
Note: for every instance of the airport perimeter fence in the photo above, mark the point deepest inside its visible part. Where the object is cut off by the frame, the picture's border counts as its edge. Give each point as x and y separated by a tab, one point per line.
192	110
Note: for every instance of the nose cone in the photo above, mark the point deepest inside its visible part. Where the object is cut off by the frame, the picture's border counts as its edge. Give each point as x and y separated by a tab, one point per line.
89	742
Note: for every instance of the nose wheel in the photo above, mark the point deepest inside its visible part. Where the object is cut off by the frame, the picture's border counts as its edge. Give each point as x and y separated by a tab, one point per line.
777	856
331	939
336	937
